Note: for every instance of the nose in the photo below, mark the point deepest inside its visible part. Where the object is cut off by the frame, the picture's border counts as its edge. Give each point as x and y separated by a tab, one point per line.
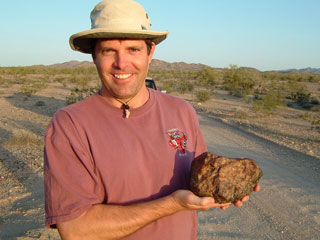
121	60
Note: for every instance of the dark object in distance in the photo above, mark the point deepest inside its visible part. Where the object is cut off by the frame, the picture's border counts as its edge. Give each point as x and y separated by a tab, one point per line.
150	83
224	179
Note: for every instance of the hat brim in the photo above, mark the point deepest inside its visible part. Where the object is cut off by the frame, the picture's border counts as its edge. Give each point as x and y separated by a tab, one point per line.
82	41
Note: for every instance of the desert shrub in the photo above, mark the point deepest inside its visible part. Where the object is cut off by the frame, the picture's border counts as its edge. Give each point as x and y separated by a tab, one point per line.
4	82
314	78
192	74
80	94
202	95
305	116
307	105
32	86
40	103
239	82
23	138
168	85
303	97
206	77
240	114
268	104
79	80
312	118
27	90
184	86
314	100
298	92
316	123
61	80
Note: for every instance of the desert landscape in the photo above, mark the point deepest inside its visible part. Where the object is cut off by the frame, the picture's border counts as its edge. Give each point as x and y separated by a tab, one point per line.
277	112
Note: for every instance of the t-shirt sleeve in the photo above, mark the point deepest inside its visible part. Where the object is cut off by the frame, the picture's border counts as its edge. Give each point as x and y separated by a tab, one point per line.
72	184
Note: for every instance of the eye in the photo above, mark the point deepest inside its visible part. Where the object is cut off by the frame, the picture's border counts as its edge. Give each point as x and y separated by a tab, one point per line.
134	49
107	50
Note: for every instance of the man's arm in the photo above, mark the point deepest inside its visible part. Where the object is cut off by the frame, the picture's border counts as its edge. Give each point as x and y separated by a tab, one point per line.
103	221
114	221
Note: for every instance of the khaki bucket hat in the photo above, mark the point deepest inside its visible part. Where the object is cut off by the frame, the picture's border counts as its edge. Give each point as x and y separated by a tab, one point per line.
116	19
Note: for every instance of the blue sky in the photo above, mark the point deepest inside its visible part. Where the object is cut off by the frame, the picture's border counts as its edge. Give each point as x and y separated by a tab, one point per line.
264	34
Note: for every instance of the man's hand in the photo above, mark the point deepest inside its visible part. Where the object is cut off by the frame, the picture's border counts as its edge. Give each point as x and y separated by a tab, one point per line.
244	199
187	200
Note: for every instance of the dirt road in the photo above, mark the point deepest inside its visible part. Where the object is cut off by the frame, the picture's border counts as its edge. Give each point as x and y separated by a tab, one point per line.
287	207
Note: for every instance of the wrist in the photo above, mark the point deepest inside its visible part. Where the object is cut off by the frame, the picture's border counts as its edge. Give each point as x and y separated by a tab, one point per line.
176	201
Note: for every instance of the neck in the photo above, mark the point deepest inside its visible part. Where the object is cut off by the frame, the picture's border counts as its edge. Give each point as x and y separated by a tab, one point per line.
134	102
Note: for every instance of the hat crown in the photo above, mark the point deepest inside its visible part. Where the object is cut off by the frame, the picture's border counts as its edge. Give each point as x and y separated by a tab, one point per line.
119	15
110	19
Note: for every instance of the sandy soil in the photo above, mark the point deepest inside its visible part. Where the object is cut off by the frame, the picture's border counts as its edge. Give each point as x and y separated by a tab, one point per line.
288	205
286	146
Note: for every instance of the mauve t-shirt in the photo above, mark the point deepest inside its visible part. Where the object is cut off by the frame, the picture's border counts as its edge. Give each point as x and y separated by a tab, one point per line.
94	155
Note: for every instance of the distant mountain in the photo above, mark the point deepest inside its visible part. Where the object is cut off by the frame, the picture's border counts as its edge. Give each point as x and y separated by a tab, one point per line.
250	69
301	70
307	70
157	64
162	65
73	64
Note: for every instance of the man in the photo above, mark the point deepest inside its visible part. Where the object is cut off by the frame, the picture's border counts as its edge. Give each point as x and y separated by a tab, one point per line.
117	164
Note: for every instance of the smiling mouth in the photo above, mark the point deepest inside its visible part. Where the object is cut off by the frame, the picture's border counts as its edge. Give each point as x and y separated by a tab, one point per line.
122	76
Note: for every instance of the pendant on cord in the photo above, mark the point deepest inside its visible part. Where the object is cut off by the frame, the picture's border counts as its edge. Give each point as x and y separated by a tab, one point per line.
126	108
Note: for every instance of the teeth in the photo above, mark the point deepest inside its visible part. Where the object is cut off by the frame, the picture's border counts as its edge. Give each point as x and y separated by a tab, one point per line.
122	76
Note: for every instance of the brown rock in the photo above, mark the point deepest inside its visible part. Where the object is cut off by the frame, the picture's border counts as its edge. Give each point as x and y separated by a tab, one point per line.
224	179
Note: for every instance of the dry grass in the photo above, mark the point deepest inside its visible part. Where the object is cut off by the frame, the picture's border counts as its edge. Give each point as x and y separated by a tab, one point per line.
23	138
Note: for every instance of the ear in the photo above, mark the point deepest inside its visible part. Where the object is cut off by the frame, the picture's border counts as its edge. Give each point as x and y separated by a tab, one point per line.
153	48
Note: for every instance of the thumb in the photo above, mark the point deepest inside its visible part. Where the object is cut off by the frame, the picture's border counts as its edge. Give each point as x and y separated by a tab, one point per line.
206	201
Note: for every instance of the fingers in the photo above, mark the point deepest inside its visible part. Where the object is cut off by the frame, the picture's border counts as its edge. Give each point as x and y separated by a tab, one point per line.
238	203
206	203
245	199
189	200
225	206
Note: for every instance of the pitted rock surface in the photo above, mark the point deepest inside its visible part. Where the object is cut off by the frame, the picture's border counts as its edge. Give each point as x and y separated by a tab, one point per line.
224	179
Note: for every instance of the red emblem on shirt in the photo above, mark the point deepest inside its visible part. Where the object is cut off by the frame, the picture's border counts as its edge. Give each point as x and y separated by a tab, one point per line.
178	139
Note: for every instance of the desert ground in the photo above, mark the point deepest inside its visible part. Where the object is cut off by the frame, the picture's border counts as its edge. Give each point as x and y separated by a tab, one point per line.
286	147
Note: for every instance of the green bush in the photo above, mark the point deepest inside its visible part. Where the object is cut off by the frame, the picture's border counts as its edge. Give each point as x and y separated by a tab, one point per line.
27	90
239	82
268	104
32	86
40	103
80	94
303	97
184	86
206	77
202	95
314	100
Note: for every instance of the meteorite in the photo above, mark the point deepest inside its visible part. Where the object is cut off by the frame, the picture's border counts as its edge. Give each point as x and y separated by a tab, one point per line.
224	179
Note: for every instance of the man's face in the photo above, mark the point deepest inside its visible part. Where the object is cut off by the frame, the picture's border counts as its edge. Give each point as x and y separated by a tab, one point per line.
122	66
